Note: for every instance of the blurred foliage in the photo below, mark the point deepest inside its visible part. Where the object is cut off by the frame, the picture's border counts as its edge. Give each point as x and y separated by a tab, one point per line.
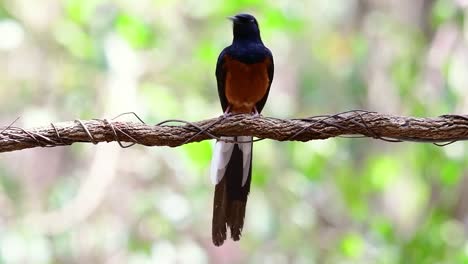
333	201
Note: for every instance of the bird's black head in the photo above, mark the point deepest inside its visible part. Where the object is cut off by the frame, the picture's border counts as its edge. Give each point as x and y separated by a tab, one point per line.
245	27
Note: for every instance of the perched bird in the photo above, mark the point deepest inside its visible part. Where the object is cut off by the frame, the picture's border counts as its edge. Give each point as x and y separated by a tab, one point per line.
244	73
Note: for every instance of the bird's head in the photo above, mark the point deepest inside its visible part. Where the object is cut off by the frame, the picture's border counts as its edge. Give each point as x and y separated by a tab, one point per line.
245	27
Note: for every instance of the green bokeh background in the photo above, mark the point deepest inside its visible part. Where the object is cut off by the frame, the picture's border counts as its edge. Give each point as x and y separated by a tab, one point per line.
333	201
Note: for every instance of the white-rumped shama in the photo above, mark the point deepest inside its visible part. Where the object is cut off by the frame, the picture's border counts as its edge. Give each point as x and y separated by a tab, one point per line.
244	73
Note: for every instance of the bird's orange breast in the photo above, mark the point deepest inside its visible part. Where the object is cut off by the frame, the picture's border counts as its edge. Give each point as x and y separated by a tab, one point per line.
246	84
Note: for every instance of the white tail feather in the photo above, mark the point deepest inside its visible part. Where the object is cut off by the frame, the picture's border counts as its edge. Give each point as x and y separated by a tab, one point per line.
221	155
246	149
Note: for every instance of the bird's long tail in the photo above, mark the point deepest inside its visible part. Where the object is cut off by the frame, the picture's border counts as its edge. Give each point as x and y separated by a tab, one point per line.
231	171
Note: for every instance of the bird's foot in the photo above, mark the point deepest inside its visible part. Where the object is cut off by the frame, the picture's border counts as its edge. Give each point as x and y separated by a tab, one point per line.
227	113
256	113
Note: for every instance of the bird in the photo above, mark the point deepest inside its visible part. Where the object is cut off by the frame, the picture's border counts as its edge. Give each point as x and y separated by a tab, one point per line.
244	73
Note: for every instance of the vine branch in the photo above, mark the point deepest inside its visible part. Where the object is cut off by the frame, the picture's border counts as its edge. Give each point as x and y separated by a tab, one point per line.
173	133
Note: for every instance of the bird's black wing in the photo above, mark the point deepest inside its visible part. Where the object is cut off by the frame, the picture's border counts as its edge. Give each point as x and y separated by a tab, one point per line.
271	70
221	79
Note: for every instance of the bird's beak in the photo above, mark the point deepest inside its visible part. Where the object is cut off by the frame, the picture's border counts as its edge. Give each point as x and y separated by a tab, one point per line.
232	18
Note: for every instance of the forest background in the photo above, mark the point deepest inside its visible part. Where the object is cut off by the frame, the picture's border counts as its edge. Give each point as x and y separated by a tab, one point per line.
331	201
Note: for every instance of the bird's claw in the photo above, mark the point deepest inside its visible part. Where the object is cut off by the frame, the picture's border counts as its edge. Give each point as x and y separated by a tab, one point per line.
227	113
256	113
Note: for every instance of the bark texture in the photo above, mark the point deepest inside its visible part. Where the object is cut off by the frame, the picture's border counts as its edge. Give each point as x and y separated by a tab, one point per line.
173	133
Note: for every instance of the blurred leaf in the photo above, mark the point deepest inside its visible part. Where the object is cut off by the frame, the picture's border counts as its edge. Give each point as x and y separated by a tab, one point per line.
404	75
384	228
81	11
275	18
352	246
259	176
233	7
3	12
353	190
207	52
308	160
136	244
199	153
451	173
75	39
426	239
442	11
360	46
462	256
135	31
383	170
10	186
